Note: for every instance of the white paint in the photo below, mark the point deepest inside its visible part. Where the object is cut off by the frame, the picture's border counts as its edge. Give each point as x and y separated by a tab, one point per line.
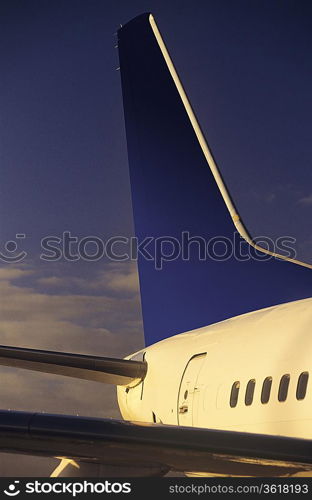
269	342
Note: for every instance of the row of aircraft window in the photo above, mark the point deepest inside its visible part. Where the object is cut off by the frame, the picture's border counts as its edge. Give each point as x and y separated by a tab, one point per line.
266	389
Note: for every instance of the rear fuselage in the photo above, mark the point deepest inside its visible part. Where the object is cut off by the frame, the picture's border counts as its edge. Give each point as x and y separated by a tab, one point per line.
239	374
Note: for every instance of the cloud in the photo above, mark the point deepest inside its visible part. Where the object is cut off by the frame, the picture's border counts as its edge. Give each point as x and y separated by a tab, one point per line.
115	277
100	315
51	281
11	273
261	196
78	318
282	192
124	280
269	197
68	313
306	200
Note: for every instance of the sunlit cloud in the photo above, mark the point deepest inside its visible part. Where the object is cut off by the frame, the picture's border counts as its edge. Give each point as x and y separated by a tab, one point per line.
42	310
78	320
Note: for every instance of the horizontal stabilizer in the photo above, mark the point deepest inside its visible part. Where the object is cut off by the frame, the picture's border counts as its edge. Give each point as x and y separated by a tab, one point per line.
100	369
118	443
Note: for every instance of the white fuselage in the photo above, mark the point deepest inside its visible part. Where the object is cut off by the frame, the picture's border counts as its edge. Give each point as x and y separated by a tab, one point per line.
190	376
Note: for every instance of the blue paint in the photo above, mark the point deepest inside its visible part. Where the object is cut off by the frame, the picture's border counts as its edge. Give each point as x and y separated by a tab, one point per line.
173	191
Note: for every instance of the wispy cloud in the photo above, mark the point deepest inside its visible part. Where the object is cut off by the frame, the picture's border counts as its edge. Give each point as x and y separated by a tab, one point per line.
89	317
47	309
305	201
114	277
119	279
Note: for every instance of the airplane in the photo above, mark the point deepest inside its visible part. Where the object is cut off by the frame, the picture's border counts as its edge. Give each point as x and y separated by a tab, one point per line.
222	386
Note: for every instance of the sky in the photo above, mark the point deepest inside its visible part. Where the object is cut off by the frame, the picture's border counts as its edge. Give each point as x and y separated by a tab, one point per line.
247	70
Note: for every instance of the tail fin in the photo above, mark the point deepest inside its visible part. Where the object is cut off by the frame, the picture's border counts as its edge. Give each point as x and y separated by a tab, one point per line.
177	195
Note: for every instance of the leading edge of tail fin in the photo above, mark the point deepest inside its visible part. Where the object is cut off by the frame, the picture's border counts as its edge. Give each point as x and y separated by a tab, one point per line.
192	268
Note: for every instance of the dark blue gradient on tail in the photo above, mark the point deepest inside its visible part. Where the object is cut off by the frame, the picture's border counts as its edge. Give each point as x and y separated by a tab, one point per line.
173	190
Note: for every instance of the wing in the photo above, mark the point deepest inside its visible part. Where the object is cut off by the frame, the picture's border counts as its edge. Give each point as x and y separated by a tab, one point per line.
150	446
96	368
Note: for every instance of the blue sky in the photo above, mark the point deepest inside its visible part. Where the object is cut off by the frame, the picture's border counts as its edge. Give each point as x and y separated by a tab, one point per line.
247	69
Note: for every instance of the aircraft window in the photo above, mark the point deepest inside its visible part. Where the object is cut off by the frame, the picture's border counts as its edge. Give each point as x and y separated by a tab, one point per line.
283	387
234	394
250	389
302	385
266	390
